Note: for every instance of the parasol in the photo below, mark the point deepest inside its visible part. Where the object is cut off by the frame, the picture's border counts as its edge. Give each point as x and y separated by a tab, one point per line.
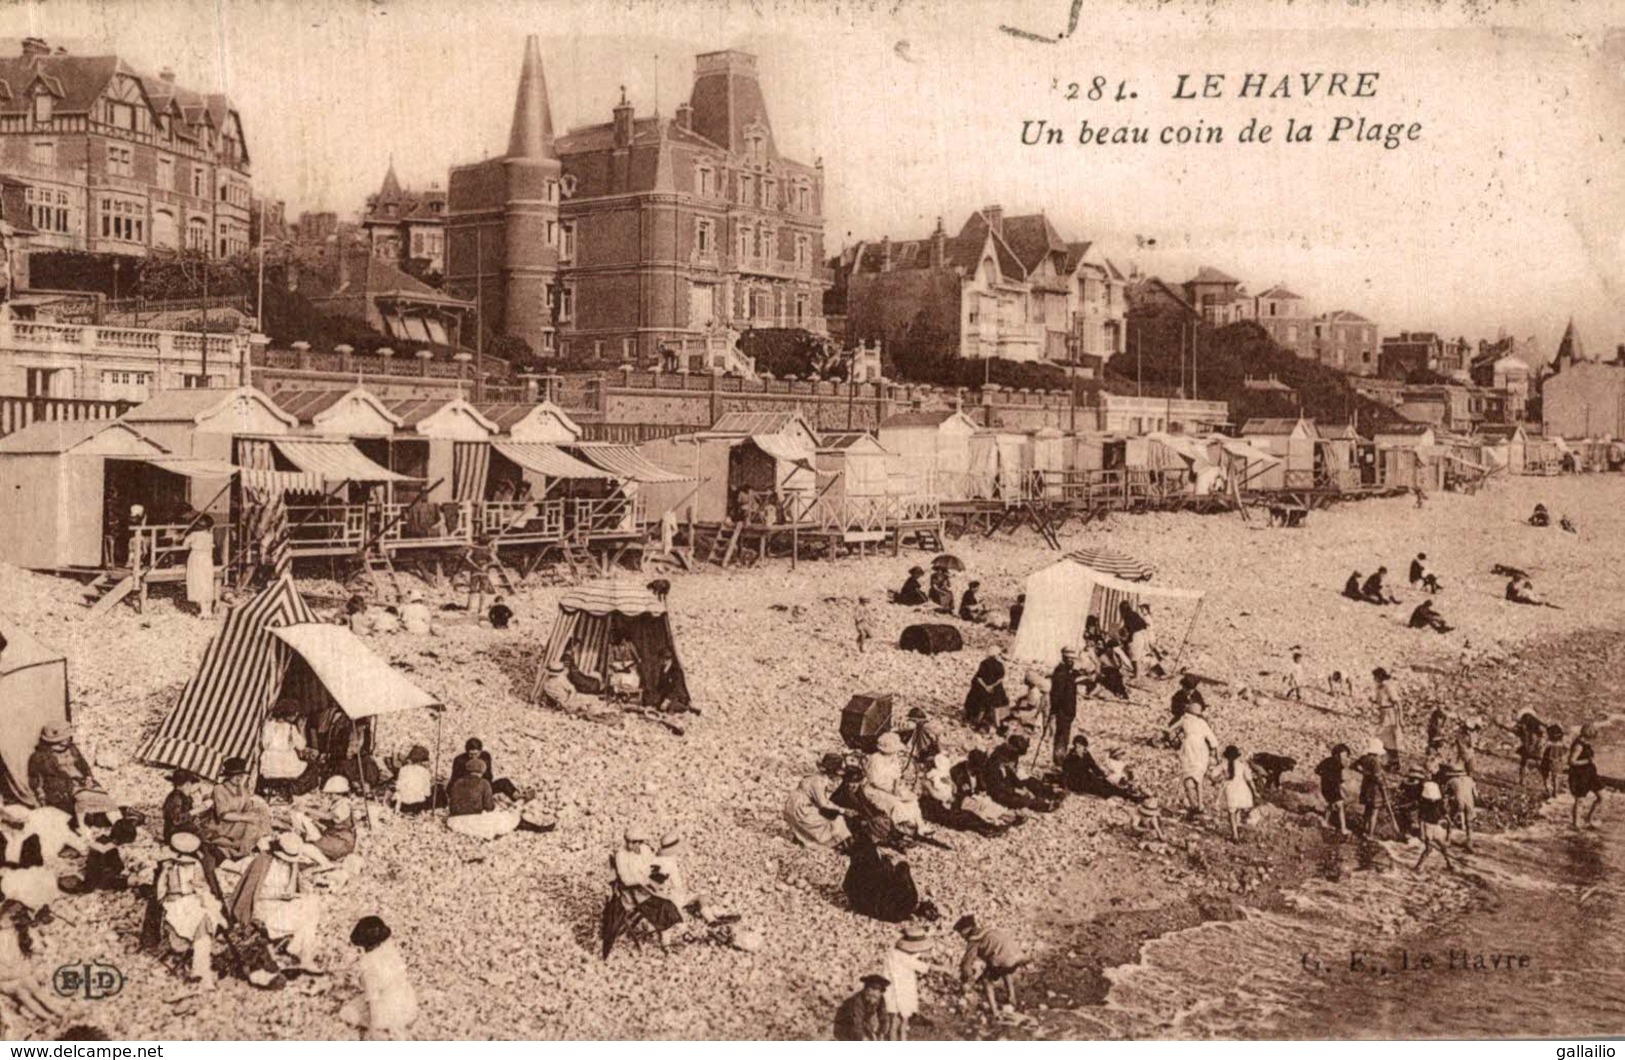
1110	561
947	561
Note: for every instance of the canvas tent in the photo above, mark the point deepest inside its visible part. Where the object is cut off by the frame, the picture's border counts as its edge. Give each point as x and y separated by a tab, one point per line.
591	617
1061	597
266	646
33	694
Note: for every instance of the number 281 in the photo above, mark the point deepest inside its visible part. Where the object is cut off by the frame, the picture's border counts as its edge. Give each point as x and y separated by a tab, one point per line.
1097	90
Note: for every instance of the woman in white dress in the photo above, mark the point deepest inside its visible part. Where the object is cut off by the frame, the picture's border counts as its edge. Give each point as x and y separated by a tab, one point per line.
192	913
200	566
1240	795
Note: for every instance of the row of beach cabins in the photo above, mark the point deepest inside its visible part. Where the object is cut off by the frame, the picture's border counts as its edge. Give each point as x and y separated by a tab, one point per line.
353	479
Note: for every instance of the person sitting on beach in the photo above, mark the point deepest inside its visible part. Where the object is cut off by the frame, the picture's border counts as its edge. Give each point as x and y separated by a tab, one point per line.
1351	588
357	616
813	818
415	788
1082	775
500	614
970	604
473	807
1144	656
912	594
633	865
1339	684
239	818
287	765
624	679
474	751
986	697
1522	591
1540	517
59	776
1424	617
863	1017
942	590
1374	592
416	618
1567	525
1420	576
1008	787
956	797
885	788
878	884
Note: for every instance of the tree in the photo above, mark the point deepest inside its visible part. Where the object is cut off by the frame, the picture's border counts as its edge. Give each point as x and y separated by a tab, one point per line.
513	349
167	274
794	351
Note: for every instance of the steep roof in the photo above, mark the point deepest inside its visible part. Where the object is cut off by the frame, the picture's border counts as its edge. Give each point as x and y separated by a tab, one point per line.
1272	426
531	135
1280	293
76	81
1208	274
189	406
1569	347
978	228
1032	238
61	436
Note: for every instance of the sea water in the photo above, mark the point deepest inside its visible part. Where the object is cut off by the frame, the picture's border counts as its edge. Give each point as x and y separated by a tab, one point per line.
1525	939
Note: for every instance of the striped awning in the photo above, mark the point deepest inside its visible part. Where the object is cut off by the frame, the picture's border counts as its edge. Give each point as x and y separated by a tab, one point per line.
625	462
281	481
334	460
547	460
616	597
193	467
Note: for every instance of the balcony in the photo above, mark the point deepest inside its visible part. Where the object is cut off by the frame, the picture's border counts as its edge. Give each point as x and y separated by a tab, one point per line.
787	270
24	336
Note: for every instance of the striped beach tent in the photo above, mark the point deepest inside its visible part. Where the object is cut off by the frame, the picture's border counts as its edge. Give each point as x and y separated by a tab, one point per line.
219	713
593	616
1110	561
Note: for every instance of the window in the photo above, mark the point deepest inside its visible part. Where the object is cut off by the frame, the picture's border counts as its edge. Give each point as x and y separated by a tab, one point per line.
567	303
756	146
705	237
744	241
548	343
42	107
134	386
44	153
803	252
417	244
801	308
1292	333
166	172
120	160
197	234
702	303
564	349
746	191
124	220
121	116
598	349
629	349
770	244
197	381
1317	331
705	181
199	177
804	198
552	233
567	241
550	191
47	209
770	194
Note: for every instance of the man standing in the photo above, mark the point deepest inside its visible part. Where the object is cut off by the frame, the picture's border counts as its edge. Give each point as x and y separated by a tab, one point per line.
1063	701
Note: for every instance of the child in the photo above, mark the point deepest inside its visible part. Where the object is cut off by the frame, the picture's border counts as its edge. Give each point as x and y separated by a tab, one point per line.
903	966
1531	745
1148	818
1435	825
863	618
1462	795
1339	686
1553	760
996	952
1294	676
388	1004
1240	794
1330	771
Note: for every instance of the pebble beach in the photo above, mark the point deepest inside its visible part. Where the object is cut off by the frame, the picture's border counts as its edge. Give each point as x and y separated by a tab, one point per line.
502	937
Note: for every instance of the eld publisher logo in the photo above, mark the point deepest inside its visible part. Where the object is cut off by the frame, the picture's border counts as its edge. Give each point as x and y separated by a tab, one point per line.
93	982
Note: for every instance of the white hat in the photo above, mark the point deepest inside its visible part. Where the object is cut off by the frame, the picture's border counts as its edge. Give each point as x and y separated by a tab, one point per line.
337	784
889	743
1430	790
1374	746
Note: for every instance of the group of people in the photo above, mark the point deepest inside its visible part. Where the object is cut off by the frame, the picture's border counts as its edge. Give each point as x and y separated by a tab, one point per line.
1372	589
890	998
1542	518
1541	749
939	594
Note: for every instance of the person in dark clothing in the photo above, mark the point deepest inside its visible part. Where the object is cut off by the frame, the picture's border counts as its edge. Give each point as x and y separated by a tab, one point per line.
104	868
986	696
1373	792
1373	591
942	590
1424	617
178	815
421	517
1540	516
970	604
1063	700
671	687
1330	771
912	593
1188	692
471	793
862	1017
1421	577
1004	783
878	884
474	750
1016	611
1081	774
1351	588
500	614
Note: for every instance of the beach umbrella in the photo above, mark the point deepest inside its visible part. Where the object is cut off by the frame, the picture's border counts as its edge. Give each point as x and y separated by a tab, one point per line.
1110	561
947	561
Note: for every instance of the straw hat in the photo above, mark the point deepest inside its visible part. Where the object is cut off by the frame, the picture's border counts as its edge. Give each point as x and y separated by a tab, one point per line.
55	734
889	744
637	834
289	846
914	940
337	784
1374	746
1430	790
234	767
185	843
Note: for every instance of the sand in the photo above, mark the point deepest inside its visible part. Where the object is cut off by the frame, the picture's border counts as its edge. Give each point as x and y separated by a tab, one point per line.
502	937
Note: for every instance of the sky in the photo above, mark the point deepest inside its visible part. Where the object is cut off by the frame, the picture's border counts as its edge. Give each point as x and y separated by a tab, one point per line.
1504	215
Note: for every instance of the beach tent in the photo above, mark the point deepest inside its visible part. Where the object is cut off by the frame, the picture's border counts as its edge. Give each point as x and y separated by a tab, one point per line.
591	617
33	694
266	645
1061	597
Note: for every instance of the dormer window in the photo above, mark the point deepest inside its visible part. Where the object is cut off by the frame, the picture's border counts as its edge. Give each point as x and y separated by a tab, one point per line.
43	102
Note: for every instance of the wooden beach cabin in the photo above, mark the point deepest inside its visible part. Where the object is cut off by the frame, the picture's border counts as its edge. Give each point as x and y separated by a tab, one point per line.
1293	440
932	445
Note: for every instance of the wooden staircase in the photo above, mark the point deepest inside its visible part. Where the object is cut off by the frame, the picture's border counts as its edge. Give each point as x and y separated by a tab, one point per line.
109	588
380	572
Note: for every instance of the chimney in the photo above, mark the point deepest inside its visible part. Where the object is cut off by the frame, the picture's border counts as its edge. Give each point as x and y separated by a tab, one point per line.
167	74
623	121
35	48
995	218
939	246
885	253
685	117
